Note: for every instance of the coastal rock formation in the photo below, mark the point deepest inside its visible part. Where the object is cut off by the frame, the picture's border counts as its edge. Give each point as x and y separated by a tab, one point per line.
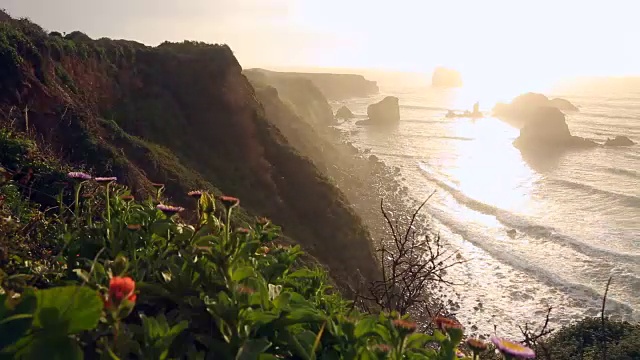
384	112
303	95
333	86
446	78
563	104
619	141
520	108
546	129
344	113
182	114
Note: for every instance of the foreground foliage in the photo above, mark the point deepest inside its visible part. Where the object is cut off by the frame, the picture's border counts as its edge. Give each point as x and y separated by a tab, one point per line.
127	279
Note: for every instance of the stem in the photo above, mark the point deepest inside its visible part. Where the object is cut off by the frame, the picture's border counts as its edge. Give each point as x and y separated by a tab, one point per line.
108	213
227	233
60	202
76	202
198	212
108	205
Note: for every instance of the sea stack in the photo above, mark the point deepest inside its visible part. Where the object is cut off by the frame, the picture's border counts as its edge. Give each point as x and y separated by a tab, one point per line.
619	141
525	106
384	112
446	78
546	129
344	113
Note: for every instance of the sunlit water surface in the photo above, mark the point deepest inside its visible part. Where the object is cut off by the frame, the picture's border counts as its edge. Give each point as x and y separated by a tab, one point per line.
577	215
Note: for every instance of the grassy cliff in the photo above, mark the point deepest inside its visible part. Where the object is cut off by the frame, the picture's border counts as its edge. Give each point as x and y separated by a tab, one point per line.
181	114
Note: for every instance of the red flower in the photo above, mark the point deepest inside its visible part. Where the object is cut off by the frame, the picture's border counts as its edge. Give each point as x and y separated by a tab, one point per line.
405	324
120	289
243	231
445	324
229	201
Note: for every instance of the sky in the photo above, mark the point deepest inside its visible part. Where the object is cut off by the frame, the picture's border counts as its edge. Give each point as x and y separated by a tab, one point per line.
486	40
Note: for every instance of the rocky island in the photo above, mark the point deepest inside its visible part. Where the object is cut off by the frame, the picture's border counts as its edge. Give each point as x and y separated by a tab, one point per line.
619	141
546	129
446	78
344	113
384	112
519	109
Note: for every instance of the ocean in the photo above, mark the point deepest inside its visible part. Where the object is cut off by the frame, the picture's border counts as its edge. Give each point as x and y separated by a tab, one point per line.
577	214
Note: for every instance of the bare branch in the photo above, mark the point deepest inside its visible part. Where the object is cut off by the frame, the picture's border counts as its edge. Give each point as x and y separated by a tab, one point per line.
602	319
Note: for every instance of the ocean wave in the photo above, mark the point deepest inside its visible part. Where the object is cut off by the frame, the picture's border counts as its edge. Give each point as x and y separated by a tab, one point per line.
619	171
420	107
497	251
629	200
425	121
452	138
523	224
606	116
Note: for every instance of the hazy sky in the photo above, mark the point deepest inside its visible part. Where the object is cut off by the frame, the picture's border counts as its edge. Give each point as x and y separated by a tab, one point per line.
518	40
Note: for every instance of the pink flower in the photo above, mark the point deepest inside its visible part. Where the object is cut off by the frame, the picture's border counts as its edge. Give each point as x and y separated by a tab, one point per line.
106	179
229	201
514	349
169	210
76	175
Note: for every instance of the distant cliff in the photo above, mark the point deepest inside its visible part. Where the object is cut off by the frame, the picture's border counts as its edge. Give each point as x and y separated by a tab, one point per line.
333	86
181	114
302	94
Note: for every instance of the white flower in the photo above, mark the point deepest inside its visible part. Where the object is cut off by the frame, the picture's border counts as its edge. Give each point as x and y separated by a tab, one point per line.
274	291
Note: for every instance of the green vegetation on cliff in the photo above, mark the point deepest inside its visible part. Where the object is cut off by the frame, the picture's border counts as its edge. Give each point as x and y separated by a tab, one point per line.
179	114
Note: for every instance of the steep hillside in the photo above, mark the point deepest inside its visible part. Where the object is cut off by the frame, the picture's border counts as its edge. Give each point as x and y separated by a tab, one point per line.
300	93
362	177
182	114
332	86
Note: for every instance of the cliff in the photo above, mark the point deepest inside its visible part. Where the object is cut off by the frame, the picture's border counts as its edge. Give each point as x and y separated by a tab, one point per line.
332	86
362	178
302	94
181	114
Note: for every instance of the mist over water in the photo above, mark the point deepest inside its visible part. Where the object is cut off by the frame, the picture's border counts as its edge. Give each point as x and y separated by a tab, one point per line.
577	214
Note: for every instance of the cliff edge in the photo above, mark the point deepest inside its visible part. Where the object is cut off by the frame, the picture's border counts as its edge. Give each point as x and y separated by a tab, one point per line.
181	114
333	86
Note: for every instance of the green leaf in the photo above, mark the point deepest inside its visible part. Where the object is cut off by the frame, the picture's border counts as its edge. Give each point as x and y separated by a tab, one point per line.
282	301
303	273
16	321
307	339
366	326
252	349
439	336
242	273
298	316
73	308
50	348
259	318
418	340
82	274
267	357
161	228
206	240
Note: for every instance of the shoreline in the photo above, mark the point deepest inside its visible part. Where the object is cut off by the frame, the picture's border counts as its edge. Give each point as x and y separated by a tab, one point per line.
569	306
